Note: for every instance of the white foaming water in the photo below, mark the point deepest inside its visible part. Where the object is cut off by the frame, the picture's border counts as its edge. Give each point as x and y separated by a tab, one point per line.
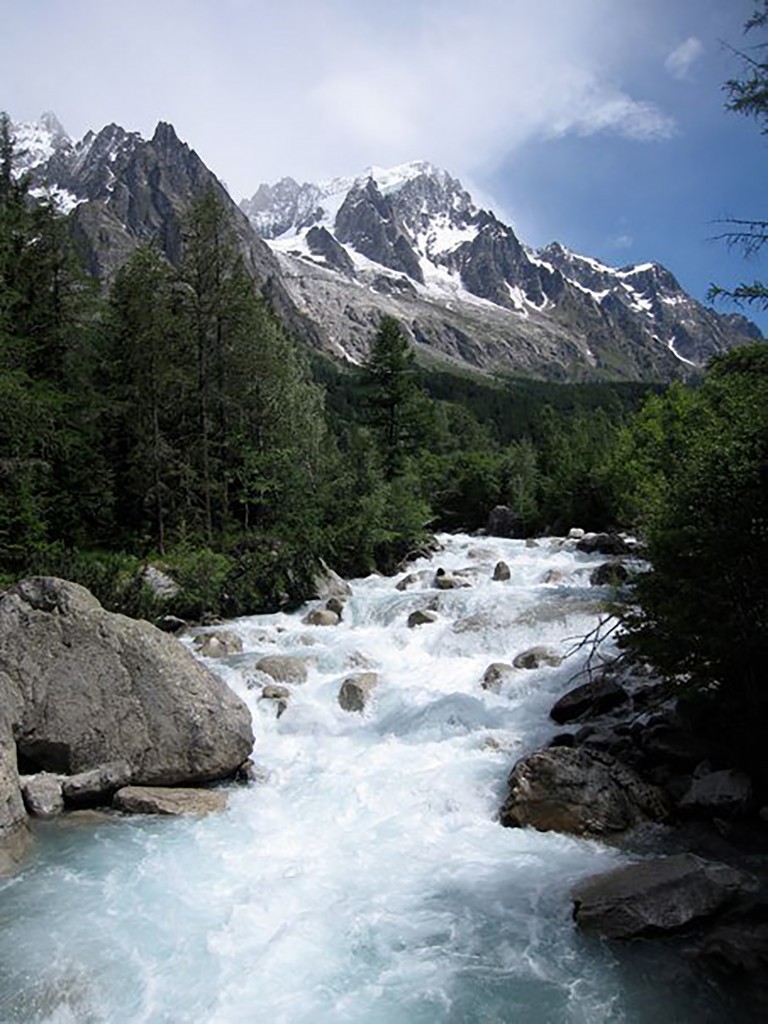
366	878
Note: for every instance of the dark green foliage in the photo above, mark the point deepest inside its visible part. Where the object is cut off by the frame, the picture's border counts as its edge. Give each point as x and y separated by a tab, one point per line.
702	611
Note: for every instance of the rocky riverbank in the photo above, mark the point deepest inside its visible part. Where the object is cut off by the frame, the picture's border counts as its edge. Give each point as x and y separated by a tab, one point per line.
94	702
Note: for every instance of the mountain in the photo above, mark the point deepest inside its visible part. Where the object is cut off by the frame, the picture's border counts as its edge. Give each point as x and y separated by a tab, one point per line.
121	190
410	241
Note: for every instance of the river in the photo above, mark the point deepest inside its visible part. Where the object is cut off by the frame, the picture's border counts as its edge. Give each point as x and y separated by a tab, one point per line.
364	878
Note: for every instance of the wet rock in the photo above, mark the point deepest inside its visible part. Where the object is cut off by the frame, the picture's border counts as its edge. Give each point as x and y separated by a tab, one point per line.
535	657
88	688
422	617
272	691
283	668
356	690
171	624
218	645
609	574
658	896
531	542
42	794
336	605
94	787
449	581
495	676
321	617
411	580
581	792
575	533
327	583
588	700
168	801
725	793
603	544
504	522
501	571
554	576
15	838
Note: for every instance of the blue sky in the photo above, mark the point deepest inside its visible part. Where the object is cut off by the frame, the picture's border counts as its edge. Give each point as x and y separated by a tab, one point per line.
599	123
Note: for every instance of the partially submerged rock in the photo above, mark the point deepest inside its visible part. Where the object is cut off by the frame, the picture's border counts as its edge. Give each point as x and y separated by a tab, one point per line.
321	617
495	676
356	690
603	544
657	896
501	572
94	787
609	574
168	801
218	645
422	617
283	668
581	792
535	657
42	793
593	698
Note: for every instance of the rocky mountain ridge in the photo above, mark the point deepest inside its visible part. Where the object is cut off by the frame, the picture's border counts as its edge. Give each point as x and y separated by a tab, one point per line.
468	288
408	241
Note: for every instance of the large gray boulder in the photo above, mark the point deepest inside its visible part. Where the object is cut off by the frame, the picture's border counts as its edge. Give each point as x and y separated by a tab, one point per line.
87	687
579	791
657	896
15	838
588	700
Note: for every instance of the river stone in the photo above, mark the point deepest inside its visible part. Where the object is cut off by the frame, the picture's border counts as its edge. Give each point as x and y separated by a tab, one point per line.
88	789
356	690
725	793
590	699
169	801
449	581
421	617
88	687
609	574
171	624
603	544
501	571
657	896
283	668
42	794
411	580
327	583
321	617
218	645
579	791
335	604
495	676
535	657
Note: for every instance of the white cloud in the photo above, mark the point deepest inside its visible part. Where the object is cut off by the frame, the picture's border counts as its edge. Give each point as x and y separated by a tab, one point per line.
683	57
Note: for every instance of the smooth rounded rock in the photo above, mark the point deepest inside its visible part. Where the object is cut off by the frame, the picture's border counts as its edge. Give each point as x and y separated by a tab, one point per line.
168	800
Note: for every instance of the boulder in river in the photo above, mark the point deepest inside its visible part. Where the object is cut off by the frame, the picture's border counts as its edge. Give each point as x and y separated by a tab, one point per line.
218	645
42	794
356	690
422	617
168	800
593	698
535	657
603	544
501	572
283	668
94	787
321	617
87	687
579	791
495	675
662	895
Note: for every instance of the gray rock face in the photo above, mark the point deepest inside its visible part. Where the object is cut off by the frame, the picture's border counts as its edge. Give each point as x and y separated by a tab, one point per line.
579	791
422	617
168	801
89	687
322	243
590	699
218	645
15	839
535	657
356	690
89	789
494	676
658	896
43	795
283	668
725	793
369	223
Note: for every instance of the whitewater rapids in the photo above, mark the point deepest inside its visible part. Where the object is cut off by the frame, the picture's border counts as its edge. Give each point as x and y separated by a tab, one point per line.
364	878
